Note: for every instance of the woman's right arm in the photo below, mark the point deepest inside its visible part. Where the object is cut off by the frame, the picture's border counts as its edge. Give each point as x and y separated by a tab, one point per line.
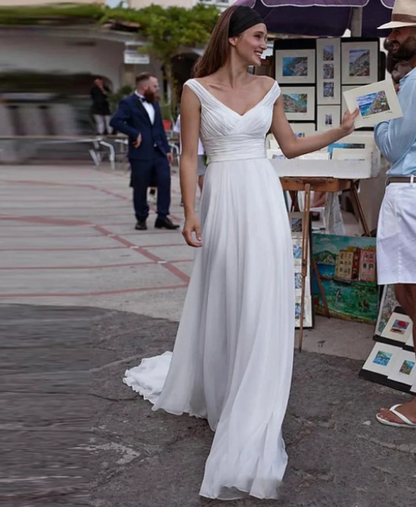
190	125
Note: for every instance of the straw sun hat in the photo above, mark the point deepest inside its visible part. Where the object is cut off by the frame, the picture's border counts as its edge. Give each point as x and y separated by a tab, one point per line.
404	14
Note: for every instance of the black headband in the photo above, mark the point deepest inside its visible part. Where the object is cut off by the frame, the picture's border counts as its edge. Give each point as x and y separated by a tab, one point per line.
242	19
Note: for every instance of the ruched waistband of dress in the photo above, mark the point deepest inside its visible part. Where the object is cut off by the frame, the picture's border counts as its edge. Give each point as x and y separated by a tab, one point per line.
235	158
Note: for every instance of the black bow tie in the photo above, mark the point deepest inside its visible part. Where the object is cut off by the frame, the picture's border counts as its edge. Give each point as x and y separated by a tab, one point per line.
144	100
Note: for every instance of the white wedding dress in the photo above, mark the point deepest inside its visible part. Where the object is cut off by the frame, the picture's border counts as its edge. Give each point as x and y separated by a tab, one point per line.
233	355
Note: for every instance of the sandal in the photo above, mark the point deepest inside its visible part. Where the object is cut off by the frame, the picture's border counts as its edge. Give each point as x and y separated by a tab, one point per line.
407	423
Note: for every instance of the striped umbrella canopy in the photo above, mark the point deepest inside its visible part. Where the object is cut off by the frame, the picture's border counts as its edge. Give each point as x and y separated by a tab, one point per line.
322	18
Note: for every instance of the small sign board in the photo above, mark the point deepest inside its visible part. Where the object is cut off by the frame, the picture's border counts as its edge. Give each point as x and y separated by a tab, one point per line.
133	57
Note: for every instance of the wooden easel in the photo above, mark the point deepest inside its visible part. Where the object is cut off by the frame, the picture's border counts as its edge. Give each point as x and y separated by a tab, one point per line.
299	184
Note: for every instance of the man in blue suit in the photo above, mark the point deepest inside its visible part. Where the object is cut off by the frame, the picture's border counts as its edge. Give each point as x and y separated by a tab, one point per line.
139	117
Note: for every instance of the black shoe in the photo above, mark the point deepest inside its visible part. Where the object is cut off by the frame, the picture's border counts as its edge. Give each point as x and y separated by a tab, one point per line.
165	223
141	225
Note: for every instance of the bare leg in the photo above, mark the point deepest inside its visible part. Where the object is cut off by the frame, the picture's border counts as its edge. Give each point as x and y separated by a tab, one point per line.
201	182
319	199
406	296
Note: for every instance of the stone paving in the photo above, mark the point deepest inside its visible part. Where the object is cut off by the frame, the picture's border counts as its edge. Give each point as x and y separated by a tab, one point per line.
83	297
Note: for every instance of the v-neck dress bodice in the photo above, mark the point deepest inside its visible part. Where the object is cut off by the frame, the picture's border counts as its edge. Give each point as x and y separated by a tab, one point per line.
228	135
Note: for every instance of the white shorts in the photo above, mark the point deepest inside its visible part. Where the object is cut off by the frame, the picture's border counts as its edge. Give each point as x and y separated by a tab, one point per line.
396	235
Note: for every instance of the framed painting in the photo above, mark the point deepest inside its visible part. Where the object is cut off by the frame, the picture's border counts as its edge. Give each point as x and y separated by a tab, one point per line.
348	154
403	369
360	62
328	65
348	272
388	305
356	141
299	102
303	129
392	366
344	107
398	328
328	117
296	225
295	66
376	102
308	314
382	358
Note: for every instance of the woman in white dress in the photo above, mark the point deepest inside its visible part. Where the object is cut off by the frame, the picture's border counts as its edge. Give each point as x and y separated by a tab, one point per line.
232	360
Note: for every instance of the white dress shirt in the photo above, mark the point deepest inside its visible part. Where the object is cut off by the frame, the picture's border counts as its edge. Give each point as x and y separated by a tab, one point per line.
148	106
177	129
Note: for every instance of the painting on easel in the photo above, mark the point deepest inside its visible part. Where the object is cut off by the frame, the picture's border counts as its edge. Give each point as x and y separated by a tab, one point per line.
348	271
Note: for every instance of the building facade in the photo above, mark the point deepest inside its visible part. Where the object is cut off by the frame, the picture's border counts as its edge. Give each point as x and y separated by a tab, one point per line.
348	264
368	261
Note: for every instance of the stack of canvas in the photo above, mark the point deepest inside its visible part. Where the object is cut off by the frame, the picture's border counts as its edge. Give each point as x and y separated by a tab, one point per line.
392	361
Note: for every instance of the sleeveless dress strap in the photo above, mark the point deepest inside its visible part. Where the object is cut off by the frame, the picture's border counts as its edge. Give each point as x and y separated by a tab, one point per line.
275	92
197	88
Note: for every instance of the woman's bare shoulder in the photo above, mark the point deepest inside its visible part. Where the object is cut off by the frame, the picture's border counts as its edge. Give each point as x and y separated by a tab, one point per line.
207	80
263	82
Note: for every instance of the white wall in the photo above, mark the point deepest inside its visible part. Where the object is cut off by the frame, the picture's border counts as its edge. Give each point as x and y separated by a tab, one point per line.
61	54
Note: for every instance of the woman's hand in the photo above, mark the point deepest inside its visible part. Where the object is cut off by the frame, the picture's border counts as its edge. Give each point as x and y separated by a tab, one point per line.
192	228
348	125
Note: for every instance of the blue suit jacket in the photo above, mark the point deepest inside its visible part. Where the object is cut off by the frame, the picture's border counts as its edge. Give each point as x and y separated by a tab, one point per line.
132	119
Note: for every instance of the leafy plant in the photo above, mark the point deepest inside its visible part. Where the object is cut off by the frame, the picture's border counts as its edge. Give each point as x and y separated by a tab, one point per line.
168	31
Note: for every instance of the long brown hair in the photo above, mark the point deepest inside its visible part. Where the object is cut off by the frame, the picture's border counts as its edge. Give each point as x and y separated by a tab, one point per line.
217	50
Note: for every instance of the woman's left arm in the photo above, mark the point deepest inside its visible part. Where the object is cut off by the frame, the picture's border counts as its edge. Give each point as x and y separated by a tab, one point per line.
293	146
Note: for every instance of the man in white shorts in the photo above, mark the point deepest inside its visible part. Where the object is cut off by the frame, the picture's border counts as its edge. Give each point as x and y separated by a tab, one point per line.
201	154
396	233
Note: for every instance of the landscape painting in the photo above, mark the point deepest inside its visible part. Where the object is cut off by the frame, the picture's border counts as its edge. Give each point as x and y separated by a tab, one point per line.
373	103
297	252
407	367
299	103
295	102
404	369
328	53
329	71
382	358
295	66
359	62
376	102
348	271
329	90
